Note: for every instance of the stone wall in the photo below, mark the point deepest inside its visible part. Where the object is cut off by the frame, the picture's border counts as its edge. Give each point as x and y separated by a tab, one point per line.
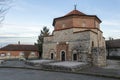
99	56
85	40
69	38
47	48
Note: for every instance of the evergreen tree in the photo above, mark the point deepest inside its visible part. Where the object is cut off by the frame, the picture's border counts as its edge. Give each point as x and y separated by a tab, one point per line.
44	33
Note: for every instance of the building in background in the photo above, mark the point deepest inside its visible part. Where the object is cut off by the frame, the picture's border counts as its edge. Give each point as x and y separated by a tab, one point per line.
76	37
113	48
17	51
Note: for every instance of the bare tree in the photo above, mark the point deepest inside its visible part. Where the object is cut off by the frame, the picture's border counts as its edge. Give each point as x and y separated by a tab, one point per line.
108	46
4	7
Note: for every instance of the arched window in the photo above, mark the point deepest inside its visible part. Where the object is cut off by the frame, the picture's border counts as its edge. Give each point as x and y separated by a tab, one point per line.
52	56
74	57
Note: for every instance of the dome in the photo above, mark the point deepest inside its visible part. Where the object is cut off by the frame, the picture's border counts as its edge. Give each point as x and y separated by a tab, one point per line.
75	12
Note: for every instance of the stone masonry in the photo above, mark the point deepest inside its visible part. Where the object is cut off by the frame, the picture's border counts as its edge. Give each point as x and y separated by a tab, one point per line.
75	38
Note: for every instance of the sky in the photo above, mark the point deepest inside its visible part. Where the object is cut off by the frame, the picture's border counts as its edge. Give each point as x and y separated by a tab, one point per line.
26	18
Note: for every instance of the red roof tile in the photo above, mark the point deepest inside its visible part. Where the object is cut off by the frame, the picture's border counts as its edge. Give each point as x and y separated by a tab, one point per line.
75	12
19	47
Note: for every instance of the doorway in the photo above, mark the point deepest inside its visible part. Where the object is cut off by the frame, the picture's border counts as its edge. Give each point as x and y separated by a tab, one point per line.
63	56
52	55
74	57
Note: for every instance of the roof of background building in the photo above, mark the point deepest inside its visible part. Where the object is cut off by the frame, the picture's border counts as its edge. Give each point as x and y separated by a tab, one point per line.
113	43
19	47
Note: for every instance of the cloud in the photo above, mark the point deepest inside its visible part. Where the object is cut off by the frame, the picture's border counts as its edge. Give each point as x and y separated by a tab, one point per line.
111	23
19	30
14	40
111	28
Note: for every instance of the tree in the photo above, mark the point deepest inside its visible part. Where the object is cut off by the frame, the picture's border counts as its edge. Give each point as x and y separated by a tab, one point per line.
110	38
44	33
4	7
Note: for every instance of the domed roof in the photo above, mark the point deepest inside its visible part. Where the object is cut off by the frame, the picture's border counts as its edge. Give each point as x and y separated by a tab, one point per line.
75	12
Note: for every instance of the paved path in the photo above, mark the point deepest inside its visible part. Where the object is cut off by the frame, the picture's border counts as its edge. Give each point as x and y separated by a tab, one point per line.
14	63
101	71
114	73
24	74
17	64
113	64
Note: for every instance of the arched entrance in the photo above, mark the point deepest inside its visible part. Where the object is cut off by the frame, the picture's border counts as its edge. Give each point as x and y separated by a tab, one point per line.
52	56
63	56
74	57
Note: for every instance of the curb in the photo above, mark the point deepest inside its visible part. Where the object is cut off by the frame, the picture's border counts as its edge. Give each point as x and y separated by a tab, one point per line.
82	73
99	75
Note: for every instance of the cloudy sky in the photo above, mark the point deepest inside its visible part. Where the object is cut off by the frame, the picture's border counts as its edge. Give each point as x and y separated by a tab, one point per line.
26	18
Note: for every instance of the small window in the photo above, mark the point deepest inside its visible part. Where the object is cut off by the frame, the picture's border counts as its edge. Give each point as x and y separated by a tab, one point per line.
32	53
8	54
21	54
63	25
96	24
92	44
2	55
84	24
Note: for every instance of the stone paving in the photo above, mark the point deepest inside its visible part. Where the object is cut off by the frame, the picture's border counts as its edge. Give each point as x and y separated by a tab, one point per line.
112	69
96	71
40	61
68	64
17	64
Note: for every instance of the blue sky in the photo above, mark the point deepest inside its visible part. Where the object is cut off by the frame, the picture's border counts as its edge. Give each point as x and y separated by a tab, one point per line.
27	17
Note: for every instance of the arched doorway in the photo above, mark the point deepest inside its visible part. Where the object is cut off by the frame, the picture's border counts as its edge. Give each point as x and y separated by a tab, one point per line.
74	57
63	56
52	56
